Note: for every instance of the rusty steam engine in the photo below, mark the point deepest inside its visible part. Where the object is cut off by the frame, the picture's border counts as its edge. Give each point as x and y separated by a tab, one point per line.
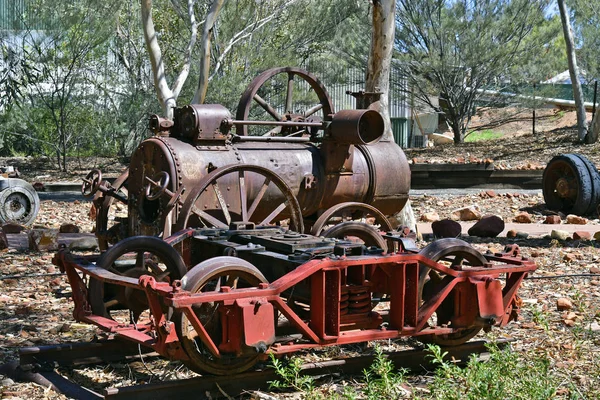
211	264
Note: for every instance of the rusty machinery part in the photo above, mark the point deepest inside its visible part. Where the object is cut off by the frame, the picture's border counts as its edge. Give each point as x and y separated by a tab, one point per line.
212	275
357	232
320	111
240	209
91	183
457	253
362	127
351	211
19	202
133	257
104	203
571	184
157	186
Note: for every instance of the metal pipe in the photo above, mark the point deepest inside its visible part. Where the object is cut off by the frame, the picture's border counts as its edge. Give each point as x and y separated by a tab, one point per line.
321	125
280	139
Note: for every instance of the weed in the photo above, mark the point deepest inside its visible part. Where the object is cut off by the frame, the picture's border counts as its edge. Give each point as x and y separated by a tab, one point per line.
382	382
290	375
541	318
506	375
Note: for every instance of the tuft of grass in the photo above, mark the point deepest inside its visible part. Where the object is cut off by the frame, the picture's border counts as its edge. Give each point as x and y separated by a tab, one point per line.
506	375
479	136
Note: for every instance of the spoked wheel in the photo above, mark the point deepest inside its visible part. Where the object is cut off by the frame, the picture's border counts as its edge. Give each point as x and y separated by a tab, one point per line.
284	94
453	252
240	194
133	257
19	203
111	214
358	232
351	211
210	276
571	184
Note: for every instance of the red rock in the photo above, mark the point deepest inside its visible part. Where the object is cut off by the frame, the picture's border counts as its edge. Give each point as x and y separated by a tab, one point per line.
470	213
43	240
511	234
39	187
430	217
488	226
69	228
563	304
491	193
552	219
446	228
569	257
523	218
12	228
582	235
460	160
576	220
594	270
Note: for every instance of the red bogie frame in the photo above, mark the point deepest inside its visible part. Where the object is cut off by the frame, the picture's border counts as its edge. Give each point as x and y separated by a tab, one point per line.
337	284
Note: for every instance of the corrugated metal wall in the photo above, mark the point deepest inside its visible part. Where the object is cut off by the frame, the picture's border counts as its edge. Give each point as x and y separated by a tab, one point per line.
19	15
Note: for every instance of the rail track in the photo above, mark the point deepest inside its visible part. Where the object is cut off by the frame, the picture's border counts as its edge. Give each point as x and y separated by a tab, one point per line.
38	364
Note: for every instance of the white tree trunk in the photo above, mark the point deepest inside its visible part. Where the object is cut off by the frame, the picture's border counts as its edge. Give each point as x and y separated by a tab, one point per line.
380	58
165	94
573	71
209	24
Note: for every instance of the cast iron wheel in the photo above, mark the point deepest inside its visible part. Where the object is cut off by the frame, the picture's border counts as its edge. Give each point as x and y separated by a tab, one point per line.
357	231
19	203
209	276
595	177
568	185
455	252
133	257
351	211
107	214
210	204
268	87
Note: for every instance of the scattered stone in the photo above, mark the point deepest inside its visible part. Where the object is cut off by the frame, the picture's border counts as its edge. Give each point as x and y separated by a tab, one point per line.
576	220
39	187
50	269
69	228
430	217
491	193
7	382
564	304
594	270
470	213
582	235
569	322
84	244
511	234
43	239
12	228
522	235
523	218
488	226
569	257
552	219
597	236
594	327
446	228
560	235
3	240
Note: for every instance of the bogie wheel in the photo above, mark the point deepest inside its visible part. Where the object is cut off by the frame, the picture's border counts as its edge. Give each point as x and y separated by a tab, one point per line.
453	252
298	96
19	202
351	211
357	232
210	276
110	216
240	194
571	184
133	257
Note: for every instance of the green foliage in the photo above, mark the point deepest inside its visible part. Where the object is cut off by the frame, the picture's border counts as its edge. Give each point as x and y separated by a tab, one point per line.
586	23
478	136
506	375
290	376
382	382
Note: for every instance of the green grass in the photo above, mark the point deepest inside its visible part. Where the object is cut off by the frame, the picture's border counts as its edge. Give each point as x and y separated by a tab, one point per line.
479	136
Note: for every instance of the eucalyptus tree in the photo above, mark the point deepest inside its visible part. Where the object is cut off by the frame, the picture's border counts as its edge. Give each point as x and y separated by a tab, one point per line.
456	49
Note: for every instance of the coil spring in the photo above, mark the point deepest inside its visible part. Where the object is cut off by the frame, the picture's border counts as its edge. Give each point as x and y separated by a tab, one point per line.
355	300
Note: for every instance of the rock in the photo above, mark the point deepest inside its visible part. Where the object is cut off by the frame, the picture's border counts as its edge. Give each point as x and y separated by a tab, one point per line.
446	228
564	304
69	228
43	239
84	244
511	234
569	322
582	235
597	236
7	382
576	220
3	240
569	257
470	213
523	218
552	219
490	193
522	235
12	228
560	235
594	270
430	217
488	226
594	327
39	187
